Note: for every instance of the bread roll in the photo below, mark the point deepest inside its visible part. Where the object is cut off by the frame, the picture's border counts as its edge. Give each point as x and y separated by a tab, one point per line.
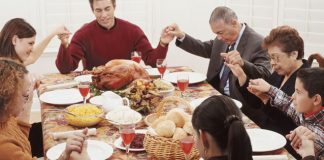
179	134
165	128
188	128
176	117
157	121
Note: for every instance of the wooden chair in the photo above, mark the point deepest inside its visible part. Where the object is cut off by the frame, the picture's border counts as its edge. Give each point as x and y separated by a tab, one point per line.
318	57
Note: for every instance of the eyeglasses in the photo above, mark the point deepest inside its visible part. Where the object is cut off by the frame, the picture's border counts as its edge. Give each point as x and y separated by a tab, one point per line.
26	97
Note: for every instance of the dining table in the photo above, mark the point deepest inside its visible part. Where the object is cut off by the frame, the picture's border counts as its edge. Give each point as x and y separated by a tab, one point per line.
53	122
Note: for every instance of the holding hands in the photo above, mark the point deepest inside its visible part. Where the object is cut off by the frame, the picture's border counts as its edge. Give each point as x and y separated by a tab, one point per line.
259	87
63	34
302	140
233	58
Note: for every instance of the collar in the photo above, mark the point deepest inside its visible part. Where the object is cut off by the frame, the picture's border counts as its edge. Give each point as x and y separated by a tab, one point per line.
239	36
116	19
308	115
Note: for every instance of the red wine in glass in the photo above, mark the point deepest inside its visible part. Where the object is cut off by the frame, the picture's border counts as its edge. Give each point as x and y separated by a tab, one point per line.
84	88
182	84
186	145
161	69
137	59
127	132
127	136
161	66
136	56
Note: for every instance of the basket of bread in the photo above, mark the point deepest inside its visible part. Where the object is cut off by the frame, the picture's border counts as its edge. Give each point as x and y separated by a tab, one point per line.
83	115
170	124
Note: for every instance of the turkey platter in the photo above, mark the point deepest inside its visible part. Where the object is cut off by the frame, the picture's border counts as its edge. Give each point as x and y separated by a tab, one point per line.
117	73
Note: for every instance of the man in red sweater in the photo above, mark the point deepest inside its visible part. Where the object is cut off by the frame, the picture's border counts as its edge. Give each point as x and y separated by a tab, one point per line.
106	38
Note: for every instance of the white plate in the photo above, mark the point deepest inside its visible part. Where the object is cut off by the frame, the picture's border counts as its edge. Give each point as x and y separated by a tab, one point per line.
265	140
196	102
96	100
62	96
97	150
119	142
84	78
155	72
193	77
123	116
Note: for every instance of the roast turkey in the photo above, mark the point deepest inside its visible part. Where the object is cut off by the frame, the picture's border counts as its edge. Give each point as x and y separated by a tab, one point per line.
117	73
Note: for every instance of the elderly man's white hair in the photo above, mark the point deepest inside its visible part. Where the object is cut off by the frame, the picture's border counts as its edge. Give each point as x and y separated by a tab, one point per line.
222	13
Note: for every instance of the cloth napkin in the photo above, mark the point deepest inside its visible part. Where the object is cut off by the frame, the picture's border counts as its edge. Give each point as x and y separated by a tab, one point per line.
271	157
63	135
62	85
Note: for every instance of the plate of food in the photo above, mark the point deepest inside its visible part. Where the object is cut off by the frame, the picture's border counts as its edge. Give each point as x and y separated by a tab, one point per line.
61	96
196	102
137	143
96	150
194	77
263	140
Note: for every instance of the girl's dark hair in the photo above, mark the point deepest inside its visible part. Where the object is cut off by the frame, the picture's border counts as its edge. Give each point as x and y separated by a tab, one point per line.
220	117
16	26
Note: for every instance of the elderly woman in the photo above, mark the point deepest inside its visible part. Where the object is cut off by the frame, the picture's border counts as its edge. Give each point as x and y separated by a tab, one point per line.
286	51
219	130
15	106
17	39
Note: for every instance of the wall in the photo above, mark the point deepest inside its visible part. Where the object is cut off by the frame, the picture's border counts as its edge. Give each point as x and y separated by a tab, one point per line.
152	15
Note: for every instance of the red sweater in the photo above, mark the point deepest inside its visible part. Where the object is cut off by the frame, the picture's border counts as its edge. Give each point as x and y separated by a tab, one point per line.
95	46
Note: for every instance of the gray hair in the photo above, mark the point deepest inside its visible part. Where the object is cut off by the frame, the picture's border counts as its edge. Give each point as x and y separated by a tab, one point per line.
222	13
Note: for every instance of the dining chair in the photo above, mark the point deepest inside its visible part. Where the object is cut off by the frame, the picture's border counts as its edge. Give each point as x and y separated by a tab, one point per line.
318	57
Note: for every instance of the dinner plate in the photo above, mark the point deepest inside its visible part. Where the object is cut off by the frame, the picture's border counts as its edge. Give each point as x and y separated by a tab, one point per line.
84	78
96	100
119	142
61	96
97	150
155	71
196	102
265	140
194	77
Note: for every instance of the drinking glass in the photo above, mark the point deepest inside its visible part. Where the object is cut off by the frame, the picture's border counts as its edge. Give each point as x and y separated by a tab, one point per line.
84	88
186	145
182	83
136	56
161	65
127	133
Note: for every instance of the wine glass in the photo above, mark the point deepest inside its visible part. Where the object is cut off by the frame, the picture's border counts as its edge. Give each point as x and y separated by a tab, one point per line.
182	83
136	56
161	65
127	133
186	145
84	88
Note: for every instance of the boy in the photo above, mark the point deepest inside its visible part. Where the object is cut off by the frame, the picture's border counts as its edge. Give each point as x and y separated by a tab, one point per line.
306	107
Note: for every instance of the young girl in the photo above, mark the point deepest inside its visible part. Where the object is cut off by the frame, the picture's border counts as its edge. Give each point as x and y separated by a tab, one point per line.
219	130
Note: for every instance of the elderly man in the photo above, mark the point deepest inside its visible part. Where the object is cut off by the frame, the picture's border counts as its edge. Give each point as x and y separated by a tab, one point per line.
236	41
106	38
